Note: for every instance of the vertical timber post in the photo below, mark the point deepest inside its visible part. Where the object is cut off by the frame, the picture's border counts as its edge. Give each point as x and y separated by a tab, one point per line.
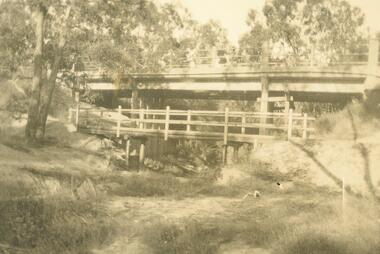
147	116
118	122
142	152
188	126
225	135
141	124
167	119
287	102
290	124
243	122
236	153
264	103
304	127
77	100
134	100
127	151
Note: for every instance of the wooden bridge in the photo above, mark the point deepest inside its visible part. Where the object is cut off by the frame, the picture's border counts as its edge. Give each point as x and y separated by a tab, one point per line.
230	127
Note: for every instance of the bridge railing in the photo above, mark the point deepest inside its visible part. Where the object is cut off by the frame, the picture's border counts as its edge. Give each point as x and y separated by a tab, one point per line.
209	59
226	126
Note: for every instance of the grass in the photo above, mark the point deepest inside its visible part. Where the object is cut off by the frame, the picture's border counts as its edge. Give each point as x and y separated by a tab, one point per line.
259	176
304	219
53	225
158	185
341	124
291	224
150	184
192	237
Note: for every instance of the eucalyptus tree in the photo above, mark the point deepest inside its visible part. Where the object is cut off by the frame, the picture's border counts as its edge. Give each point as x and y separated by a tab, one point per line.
15	51
59	28
15	36
306	27
130	35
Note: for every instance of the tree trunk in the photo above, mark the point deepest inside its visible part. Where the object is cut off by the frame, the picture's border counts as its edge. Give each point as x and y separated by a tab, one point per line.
47	94
31	130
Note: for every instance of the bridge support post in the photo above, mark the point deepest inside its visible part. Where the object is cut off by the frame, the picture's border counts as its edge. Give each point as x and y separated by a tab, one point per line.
167	119
127	151
304	127
373	57
188	126
142	153
134	99
118	122
264	104
224	155
290	124
141	119
77	100
236	152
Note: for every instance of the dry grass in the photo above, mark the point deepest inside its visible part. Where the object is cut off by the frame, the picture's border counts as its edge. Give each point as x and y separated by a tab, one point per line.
289	223
192	237
149	184
341	125
53	226
299	220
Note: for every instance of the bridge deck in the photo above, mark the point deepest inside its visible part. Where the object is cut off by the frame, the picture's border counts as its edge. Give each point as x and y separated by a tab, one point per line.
306	83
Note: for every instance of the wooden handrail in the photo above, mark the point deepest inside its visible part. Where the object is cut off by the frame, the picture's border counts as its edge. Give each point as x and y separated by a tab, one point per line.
234	122
296	116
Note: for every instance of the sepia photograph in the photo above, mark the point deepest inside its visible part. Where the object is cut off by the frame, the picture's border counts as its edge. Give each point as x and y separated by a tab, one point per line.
189	127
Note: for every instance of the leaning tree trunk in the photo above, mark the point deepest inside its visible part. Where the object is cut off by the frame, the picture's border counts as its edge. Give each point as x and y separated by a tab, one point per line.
47	94
31	129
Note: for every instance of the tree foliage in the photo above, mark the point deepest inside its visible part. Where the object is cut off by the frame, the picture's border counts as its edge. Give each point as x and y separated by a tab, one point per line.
307	28
15	35
57	37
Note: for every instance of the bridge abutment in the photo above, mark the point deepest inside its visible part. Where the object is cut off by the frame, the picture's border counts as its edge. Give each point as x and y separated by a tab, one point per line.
265	105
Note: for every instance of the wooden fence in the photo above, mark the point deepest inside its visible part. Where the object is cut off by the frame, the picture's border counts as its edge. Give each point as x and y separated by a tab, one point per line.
227	126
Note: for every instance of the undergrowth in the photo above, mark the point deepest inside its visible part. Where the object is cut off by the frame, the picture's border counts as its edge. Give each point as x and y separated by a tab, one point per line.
292	227
344	124
192	237
155	185
53	226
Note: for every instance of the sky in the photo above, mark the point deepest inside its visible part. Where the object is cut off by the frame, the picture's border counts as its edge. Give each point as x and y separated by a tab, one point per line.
232	14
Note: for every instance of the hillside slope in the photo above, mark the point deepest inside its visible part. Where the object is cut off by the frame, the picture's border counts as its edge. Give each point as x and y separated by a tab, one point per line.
347	147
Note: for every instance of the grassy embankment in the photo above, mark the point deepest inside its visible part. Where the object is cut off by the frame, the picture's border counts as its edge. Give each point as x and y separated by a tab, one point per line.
53	198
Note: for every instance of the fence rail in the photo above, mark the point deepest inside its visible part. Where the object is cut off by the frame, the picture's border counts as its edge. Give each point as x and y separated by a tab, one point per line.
227	126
